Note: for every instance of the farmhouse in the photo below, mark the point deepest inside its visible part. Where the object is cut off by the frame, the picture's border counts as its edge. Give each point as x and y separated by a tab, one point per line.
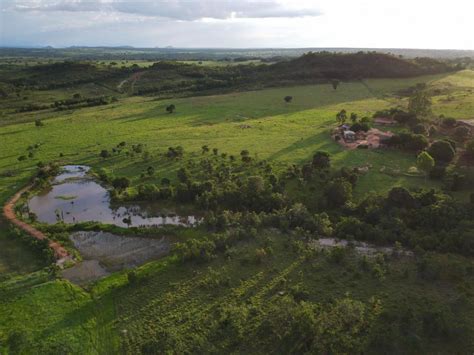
349	136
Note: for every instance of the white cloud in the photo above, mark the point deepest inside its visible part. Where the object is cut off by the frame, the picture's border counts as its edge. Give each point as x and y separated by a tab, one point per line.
225	23
186	10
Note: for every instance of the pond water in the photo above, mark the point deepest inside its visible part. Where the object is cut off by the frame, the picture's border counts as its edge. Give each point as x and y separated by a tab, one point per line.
104	253
360	247
75	197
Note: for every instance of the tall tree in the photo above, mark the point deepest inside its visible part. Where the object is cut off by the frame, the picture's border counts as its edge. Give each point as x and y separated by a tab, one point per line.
425	162
419	104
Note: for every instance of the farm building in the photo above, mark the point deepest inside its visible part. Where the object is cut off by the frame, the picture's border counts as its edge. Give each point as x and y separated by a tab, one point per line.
349	136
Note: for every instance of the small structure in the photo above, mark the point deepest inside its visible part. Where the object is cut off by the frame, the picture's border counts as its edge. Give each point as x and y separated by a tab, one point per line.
349	136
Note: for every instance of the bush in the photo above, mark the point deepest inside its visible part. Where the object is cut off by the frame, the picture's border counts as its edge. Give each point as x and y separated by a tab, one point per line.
321	160
449	122
121	183
442	151
461	133
470	148
338	192
356	127
419	129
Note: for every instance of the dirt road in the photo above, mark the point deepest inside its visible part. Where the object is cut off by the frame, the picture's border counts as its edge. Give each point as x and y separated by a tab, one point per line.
133	78
60	252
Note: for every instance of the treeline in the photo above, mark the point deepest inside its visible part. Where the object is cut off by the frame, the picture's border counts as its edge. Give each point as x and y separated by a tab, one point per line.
248	193
309	68
61	74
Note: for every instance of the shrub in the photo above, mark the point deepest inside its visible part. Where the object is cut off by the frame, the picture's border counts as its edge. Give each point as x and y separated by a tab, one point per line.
338	192
321	160
442	151
470	148
461	133
419	129
104	153
449	122
356	127
121	183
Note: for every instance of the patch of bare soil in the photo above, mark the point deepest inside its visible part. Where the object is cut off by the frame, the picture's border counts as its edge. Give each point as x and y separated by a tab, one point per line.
104	253
60	252
372	139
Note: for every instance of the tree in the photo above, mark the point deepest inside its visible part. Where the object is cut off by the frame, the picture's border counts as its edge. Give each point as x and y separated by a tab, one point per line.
38	123
419	104
425	162
335	83
288	99
419	129
104	153
353	117
462	133
205	149
150	171
341	116
121	183
183	175
441	151
470	148
170	108
321	160
449	122
338	192
245	156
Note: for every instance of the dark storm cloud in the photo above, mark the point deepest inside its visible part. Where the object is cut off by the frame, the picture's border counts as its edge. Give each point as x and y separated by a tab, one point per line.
184	10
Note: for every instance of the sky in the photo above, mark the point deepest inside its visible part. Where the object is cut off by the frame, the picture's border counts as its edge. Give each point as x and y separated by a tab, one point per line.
432	24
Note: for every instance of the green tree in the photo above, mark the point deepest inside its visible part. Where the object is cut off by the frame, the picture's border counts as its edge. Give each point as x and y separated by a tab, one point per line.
288	99
419	104
462	133
470	148
425	162
442	151
121	183
335	83
338	192
353	117
170	108
321	160
341	116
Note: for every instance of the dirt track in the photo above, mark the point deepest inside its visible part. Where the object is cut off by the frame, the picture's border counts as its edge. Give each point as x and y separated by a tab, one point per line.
60	252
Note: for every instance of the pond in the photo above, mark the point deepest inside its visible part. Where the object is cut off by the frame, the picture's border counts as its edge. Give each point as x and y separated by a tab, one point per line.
76	197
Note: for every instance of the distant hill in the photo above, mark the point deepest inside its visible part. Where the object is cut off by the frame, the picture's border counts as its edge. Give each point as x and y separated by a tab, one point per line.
129	52
328	65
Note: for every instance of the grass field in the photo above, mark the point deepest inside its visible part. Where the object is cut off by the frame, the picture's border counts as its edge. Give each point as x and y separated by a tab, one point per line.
282	133
113	316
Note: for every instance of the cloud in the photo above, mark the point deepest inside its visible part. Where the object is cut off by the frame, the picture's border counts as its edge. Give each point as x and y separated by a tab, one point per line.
183	10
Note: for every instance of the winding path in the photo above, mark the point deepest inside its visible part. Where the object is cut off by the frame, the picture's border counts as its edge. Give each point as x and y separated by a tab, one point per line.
60	253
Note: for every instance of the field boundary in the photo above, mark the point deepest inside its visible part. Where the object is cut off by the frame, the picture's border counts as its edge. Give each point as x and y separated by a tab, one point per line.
60	253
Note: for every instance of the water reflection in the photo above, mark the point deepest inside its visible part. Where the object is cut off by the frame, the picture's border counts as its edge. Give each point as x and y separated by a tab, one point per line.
75	197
